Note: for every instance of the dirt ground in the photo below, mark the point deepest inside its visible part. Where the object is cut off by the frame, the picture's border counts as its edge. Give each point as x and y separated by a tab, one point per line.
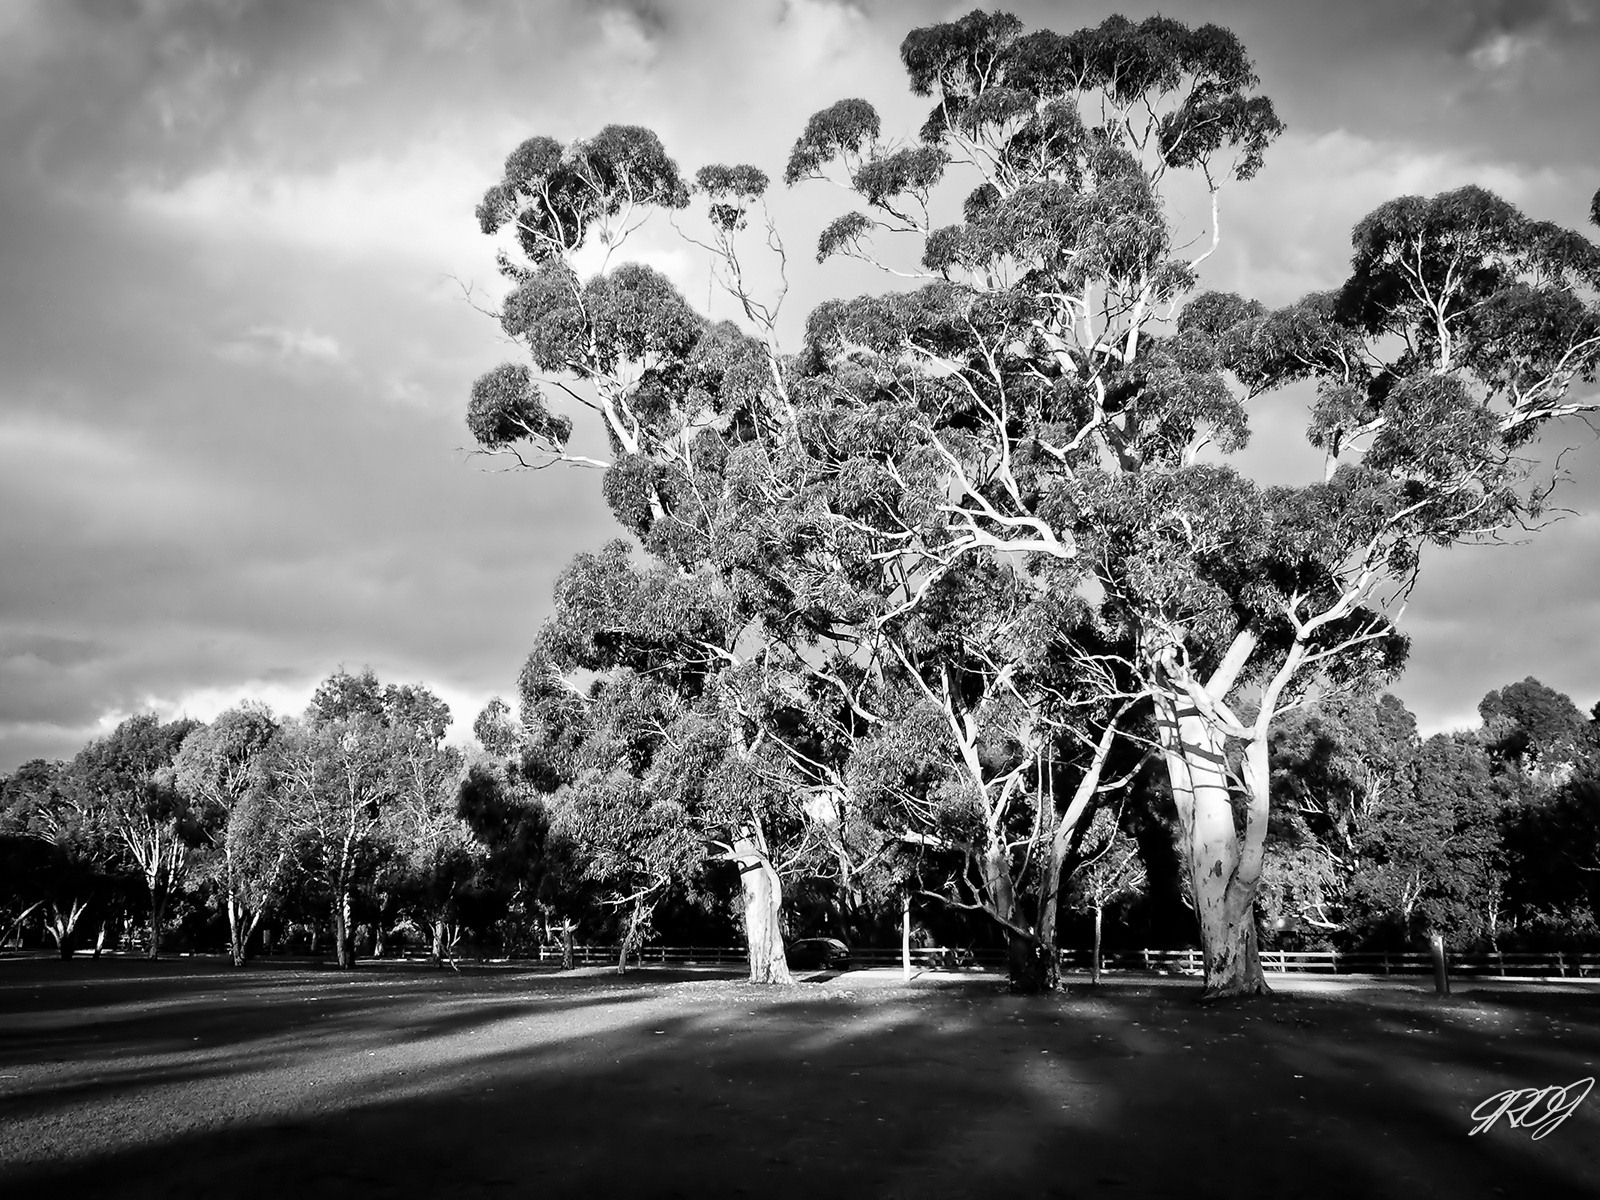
189	1079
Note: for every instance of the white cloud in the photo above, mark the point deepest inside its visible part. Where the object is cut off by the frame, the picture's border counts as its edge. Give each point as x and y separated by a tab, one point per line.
414	206
1502	51
1288	231
625	39
276	343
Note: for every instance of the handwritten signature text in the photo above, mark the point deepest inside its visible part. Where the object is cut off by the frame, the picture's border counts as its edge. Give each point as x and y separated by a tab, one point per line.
1538	1109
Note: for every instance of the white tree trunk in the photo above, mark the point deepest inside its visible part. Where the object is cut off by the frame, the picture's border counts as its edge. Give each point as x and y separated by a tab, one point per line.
1222	883
763	907
905	936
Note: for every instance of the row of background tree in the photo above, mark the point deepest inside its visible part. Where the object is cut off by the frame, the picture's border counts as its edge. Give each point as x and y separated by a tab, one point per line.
355	824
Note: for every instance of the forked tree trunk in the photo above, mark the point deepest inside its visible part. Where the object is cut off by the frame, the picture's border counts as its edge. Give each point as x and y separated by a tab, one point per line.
763	908
63	925
1223	892
240	933
631	939
344	950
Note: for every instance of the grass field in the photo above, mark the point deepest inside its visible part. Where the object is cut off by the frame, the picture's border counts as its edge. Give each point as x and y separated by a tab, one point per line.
189	1079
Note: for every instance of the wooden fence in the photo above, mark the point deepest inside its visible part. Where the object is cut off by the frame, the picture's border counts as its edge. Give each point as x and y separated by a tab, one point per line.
1556	965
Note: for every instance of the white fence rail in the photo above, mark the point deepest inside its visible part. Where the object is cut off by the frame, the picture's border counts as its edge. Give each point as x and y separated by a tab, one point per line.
1556	965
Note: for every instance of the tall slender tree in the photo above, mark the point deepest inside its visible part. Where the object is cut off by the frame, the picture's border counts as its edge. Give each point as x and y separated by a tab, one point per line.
221	769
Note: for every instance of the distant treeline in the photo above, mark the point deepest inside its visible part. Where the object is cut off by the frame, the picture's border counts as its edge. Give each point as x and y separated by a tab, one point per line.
354	829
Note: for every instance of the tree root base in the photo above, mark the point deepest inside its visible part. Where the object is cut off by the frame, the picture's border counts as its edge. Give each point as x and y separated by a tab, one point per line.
1235	993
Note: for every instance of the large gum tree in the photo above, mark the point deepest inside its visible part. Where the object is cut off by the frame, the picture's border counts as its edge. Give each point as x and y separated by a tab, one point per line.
1048	402
1082	400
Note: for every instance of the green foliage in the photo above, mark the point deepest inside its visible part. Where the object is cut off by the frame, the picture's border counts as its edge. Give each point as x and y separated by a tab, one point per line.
1431	855
1535	727
554	196
506	407
844	128
1109	868
495	728
731	191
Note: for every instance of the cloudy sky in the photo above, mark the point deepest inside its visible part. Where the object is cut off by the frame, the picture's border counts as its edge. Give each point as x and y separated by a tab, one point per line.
239	274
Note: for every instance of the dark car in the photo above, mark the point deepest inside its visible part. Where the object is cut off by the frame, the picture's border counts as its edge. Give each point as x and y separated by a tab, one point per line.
828	953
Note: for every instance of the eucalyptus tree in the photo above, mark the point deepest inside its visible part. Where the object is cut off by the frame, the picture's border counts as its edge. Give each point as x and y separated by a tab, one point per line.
339	772
1432	861
1537	729
429	853
627	823
221	769
1082	400
1052	404
1456	340
1030	373
672	735
129	774
1335	767
60	861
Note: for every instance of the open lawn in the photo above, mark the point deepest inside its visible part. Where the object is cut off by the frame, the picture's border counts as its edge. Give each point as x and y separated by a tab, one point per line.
189	1079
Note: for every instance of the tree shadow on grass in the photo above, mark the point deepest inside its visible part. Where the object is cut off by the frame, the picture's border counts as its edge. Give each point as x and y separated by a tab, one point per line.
721	1090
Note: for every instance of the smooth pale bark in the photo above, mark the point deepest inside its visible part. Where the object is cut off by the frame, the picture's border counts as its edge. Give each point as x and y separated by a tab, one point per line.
344	949
162	856
235	943
63	923
1441	966
629	933
240	929
1223	870
905	937
763	907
